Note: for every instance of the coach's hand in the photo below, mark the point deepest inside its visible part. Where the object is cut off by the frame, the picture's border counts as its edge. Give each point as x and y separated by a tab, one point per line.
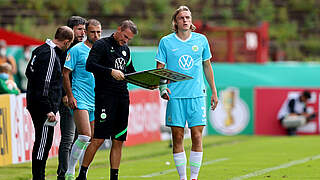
51	117
118	75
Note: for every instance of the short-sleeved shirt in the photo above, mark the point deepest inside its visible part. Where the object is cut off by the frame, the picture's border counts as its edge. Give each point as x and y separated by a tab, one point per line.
186	57
82	81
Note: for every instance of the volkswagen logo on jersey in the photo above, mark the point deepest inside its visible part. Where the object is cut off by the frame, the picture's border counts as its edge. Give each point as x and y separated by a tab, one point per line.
186	62
119	63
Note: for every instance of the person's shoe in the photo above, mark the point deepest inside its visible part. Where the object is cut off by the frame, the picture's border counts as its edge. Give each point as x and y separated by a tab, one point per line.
81	178
69	176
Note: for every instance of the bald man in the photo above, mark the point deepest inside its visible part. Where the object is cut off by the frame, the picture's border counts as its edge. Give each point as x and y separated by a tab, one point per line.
44	94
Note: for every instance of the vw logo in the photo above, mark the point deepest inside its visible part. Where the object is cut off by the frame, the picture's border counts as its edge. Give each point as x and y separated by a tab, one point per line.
186	62
120	63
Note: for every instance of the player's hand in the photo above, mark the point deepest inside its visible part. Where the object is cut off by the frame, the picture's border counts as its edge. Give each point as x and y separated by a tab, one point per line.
214	102
165	95
118	75
72	102
51	117
65	100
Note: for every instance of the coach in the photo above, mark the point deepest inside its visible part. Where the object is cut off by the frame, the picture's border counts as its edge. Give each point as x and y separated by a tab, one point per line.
109	59
44	94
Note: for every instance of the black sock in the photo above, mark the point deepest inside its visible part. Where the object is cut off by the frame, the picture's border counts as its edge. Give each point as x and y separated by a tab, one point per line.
114	174
83	171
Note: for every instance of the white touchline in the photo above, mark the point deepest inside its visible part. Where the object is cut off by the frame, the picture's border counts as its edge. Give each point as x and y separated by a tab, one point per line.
292	163
173	170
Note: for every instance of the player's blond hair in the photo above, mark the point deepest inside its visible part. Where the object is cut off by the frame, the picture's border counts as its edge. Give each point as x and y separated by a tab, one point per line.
174	18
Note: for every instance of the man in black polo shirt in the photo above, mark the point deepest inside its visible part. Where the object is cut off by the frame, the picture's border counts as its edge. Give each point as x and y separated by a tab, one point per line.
109	60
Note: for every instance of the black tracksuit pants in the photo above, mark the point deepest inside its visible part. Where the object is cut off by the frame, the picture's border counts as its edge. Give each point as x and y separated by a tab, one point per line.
42	144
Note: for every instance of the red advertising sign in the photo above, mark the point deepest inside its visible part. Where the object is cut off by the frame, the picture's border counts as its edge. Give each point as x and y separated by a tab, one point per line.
268	102
28	133
144	117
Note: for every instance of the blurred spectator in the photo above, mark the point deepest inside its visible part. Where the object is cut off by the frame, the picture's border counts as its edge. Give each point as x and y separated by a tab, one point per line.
293	112
7	86
7	59
22	66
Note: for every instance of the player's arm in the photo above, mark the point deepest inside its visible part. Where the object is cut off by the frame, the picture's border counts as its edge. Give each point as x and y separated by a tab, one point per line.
210	78
164	91
72	102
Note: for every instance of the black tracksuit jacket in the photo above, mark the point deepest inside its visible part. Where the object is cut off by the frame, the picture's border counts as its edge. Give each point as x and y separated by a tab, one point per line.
45	78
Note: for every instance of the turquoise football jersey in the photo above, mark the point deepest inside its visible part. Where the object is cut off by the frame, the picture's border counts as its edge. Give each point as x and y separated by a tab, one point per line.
185	57
82	80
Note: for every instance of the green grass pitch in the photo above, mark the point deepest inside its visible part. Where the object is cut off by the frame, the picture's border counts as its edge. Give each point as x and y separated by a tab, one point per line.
225	158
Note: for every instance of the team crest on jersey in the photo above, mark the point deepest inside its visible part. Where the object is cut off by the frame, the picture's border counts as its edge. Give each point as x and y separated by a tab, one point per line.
195	48
124	53
103	115
186	62
68	57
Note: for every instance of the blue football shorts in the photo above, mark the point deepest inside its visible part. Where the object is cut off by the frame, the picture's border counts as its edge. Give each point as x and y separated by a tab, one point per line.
182	110
84	106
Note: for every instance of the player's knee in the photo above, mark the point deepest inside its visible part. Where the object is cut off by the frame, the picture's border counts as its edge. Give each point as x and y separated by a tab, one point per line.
177	139
96	142
196	136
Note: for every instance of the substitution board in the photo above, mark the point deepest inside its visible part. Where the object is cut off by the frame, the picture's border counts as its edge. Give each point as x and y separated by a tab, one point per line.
155	77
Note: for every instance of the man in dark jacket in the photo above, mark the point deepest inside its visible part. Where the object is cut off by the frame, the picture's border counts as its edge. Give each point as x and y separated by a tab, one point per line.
44	94
67	126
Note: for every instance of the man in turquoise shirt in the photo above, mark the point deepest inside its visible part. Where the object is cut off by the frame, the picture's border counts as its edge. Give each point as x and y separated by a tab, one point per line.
81	94
186	52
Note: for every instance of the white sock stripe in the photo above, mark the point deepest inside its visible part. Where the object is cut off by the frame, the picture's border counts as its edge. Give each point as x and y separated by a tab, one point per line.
42	142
